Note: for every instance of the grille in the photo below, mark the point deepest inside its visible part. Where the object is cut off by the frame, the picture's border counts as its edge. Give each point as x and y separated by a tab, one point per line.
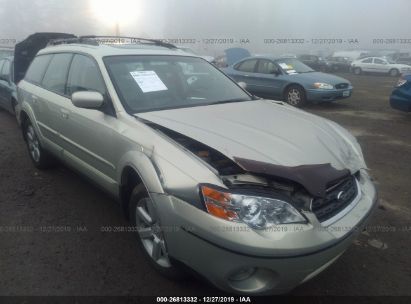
338	196
341	86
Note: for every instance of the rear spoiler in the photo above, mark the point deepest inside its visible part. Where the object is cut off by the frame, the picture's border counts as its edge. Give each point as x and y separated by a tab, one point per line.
26	50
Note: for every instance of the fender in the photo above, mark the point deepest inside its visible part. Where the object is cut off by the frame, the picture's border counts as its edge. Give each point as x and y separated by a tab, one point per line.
144	167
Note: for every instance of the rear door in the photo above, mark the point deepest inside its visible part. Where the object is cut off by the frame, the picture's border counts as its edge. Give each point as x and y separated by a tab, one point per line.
246	72
53	97
30	94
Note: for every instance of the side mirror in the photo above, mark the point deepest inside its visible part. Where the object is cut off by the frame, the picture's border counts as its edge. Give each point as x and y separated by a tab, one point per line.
243	85
87	100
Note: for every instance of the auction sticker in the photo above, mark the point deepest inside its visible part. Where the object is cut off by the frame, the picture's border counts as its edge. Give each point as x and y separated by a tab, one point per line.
148	81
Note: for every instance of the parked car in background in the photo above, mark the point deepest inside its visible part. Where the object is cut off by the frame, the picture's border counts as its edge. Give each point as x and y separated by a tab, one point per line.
8	93
288	79
378	65
315	62
352	54
231	56
400	98
191	51
288	55
256	196
404	60
339	64
25	50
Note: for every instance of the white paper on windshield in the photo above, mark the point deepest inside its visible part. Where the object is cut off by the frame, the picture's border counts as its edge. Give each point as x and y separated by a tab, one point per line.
292	72
284	66
148	81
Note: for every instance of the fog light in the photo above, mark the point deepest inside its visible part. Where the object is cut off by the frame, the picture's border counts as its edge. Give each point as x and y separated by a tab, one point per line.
242	274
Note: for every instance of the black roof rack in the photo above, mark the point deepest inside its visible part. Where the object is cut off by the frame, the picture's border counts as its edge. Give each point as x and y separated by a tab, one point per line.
121	39
79	40
97	40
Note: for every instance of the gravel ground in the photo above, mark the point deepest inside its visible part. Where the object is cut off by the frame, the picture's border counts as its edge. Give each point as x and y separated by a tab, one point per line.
80	259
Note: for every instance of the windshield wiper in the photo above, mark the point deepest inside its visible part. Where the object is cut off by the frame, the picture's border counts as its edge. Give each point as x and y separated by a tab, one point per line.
229	101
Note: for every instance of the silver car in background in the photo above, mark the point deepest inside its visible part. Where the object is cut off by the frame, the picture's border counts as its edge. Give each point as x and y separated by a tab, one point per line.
254	195
378	65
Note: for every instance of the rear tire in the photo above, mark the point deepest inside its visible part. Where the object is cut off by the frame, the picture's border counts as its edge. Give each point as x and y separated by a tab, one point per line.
357	71
150	236
40	157
394	72
294	95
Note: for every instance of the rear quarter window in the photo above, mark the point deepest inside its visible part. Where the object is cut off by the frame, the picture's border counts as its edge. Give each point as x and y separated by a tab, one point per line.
37	69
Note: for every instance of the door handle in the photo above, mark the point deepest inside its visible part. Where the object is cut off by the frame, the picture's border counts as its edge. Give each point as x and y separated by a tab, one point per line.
64	113
34	98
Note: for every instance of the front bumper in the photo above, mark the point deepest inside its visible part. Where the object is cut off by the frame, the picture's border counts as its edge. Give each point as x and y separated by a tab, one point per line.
282	258
317	95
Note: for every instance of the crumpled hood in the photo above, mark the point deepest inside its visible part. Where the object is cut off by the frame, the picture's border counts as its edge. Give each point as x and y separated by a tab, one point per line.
318	77
265	131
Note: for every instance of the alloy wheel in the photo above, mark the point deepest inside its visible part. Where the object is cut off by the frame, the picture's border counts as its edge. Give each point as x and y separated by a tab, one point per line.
33	144
150	233
294	97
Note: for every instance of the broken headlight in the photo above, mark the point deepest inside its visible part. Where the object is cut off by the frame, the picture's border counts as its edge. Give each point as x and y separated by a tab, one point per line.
257	212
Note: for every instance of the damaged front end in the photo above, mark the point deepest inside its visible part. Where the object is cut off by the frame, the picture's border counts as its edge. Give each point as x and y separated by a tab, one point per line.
261	194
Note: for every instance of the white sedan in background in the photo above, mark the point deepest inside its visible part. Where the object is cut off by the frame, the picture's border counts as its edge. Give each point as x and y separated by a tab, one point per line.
378	65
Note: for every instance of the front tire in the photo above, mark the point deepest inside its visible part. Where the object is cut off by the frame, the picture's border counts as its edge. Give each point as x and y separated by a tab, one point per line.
150	234
394	72
40	157
357	71
295	96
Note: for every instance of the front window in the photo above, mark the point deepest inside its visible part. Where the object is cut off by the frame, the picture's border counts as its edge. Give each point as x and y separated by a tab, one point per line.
293	66
152	83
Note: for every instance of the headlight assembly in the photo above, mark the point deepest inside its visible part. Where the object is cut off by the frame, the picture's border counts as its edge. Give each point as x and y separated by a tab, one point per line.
321	85
257	212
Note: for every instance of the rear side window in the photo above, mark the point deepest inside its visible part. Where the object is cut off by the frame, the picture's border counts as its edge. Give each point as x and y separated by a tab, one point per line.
56	74
369	60
247	66
84	75
37	68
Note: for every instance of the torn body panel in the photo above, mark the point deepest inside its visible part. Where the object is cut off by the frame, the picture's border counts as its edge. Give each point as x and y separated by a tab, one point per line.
268	155
314	178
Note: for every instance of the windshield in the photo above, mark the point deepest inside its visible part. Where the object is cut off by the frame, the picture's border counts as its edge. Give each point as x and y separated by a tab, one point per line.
151	83
293	66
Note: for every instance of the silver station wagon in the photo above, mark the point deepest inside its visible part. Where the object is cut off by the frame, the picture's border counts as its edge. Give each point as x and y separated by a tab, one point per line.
254	195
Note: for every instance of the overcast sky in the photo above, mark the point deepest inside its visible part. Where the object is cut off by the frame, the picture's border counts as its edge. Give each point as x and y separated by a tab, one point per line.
255	20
